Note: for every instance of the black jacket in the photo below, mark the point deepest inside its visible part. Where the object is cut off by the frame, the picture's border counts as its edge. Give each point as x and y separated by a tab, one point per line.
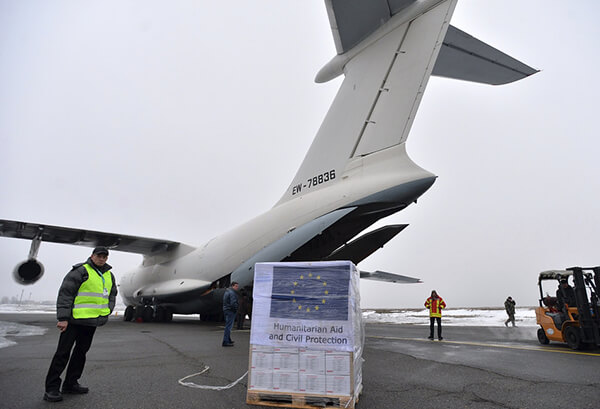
509	306
230	300
565	295
68	291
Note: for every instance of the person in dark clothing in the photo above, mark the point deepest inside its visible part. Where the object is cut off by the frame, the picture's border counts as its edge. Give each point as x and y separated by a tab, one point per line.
230	307
85	300
243	308
565	295
509	306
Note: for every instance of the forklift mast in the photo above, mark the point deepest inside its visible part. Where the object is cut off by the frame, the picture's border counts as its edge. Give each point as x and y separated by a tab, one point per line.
589	320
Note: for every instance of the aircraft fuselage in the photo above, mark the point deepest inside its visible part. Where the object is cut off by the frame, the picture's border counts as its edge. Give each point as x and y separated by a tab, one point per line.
383	180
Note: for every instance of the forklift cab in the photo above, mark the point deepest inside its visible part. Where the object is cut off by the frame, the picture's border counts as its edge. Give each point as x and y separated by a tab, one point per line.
578	325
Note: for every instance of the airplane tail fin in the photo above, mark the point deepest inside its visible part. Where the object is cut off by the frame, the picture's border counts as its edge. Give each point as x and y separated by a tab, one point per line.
387	50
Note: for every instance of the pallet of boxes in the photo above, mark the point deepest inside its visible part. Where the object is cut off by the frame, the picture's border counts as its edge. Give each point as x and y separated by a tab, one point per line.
307	335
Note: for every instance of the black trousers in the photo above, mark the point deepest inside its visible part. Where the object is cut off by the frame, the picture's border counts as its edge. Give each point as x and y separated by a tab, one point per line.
79	335
240	318
439	325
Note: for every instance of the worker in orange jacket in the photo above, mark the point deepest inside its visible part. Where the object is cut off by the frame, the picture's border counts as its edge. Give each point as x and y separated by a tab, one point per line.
435	304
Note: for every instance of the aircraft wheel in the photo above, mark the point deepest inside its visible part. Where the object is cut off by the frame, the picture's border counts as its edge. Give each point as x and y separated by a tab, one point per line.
129	313
541	334
573	337
148	314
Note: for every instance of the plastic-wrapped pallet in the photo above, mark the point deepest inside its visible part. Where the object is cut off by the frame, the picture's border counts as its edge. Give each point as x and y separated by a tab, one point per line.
307	335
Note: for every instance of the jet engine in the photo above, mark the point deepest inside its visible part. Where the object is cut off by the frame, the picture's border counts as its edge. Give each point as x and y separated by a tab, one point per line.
28	271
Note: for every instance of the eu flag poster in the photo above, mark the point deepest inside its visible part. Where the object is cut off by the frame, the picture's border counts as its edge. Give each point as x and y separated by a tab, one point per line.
313	305
308	293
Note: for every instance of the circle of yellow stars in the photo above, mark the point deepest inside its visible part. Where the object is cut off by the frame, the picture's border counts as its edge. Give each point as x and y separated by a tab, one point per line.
309	276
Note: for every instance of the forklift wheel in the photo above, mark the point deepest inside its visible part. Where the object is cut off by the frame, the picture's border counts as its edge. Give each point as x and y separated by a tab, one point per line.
542	337
573	338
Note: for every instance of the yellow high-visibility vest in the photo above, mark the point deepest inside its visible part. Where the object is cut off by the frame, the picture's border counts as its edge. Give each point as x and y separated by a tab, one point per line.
92	298
435	307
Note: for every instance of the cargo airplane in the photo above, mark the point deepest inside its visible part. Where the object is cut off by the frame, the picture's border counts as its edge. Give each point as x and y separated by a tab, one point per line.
355	173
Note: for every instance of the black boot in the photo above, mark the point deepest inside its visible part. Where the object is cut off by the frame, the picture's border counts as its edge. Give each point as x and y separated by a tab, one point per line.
53	396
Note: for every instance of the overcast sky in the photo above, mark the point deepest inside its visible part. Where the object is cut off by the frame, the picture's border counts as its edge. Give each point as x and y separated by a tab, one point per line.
183	119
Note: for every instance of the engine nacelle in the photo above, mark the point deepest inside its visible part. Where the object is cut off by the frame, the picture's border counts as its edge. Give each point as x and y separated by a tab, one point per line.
28	271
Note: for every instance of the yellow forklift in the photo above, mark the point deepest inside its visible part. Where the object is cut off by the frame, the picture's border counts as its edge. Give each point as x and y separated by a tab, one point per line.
578	325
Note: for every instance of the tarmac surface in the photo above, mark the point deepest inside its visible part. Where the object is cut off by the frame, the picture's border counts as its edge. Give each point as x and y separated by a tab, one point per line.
138	365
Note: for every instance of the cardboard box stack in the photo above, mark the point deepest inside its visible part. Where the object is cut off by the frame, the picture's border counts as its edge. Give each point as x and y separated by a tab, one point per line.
307	335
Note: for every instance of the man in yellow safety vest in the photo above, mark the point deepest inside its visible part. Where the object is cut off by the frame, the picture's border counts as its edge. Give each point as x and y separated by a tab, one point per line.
85	300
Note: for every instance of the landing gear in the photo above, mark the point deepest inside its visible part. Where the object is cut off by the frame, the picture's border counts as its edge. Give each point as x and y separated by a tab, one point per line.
148	314
129	313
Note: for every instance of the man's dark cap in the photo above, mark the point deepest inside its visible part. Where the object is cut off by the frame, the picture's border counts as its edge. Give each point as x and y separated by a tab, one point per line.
100	250
564	281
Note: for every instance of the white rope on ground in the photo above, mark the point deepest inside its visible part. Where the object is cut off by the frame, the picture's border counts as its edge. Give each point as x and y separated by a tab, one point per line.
220	388
214	388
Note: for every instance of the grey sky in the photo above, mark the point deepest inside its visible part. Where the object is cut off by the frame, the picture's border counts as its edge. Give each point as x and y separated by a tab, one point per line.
181	120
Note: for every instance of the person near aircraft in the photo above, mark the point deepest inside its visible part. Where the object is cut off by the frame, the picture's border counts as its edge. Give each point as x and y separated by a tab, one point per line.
230	307
244	307
435	304
509	306
85	300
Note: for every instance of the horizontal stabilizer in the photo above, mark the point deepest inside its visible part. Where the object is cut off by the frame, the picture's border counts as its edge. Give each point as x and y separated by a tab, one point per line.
464	57
354	20
362	247
388	277
88	238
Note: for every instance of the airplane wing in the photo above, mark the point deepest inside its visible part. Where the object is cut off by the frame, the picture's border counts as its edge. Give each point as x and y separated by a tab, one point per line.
388	277
88	238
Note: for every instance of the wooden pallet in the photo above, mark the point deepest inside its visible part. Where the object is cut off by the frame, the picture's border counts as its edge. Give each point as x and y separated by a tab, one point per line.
296	400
